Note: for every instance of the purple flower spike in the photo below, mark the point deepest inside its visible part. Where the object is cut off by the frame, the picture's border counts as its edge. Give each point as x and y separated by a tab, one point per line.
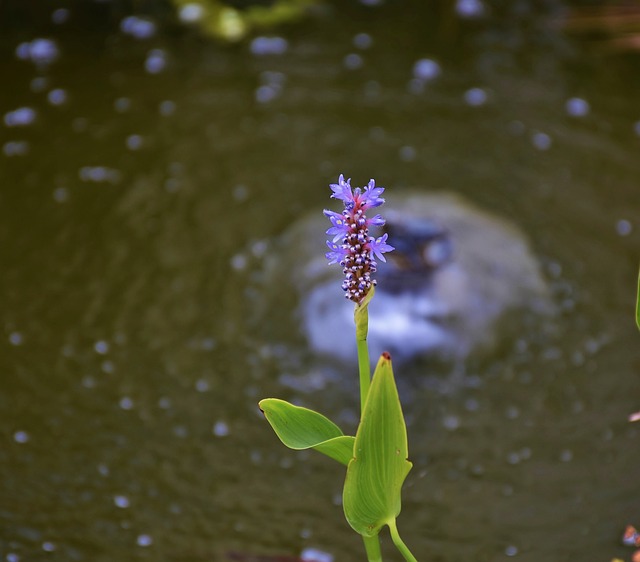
358	251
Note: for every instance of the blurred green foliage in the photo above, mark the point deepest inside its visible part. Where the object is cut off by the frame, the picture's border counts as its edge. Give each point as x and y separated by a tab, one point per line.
233	22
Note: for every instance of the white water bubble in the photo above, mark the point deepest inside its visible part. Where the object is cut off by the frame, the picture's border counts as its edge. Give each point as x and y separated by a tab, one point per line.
88	382
134	142
475	97
16	338
58	96
121	501
48	546
140	28
469	8
15	148
60	16
266	93
21	436
306	533
180	431
40	51
623	227
451	422
541	141
315	555
126	403
20	117
407	153
239	262
144	540
208	344
167	107
12	557
220	429
269	46
259	248
101	347
191	13
156	61
511	550
60	194
22	51
122	105
240	193
353	61
164	403
577	107
566	455
108	367
426	69
202	385
99	174
362	41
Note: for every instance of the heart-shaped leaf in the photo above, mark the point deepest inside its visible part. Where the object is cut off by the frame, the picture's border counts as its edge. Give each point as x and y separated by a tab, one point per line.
375	475
300	428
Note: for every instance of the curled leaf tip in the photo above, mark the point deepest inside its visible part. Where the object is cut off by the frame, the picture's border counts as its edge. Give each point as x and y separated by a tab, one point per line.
386	355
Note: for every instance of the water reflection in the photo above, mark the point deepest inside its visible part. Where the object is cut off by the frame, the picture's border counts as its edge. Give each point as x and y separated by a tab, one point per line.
137	216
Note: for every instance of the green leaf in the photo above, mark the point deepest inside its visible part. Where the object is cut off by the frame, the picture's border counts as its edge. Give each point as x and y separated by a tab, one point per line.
372	489
300	428
638	304
361	316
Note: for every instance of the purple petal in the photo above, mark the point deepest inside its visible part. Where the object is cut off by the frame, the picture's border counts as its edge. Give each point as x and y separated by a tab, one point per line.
371	196
379	246
376	221
342	189
340	227
336	254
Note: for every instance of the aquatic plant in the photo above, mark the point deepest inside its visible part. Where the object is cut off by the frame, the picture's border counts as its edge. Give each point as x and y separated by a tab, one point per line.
377	456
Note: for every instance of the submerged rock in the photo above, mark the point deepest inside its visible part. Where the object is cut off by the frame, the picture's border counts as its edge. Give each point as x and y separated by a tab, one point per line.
457	276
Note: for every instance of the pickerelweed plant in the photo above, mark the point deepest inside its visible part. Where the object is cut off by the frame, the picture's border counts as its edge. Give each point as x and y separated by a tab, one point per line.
376	458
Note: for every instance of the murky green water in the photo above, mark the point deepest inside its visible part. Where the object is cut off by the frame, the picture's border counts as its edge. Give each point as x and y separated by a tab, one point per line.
136	208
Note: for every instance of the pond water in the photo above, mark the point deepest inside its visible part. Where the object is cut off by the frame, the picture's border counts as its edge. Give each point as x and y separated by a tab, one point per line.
143	180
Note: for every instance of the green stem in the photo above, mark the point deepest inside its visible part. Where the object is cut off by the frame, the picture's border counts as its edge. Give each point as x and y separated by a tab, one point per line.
364	371
361	318
397	541
372	546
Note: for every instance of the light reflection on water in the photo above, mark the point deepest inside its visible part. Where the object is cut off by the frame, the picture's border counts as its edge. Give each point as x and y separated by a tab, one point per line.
139	201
